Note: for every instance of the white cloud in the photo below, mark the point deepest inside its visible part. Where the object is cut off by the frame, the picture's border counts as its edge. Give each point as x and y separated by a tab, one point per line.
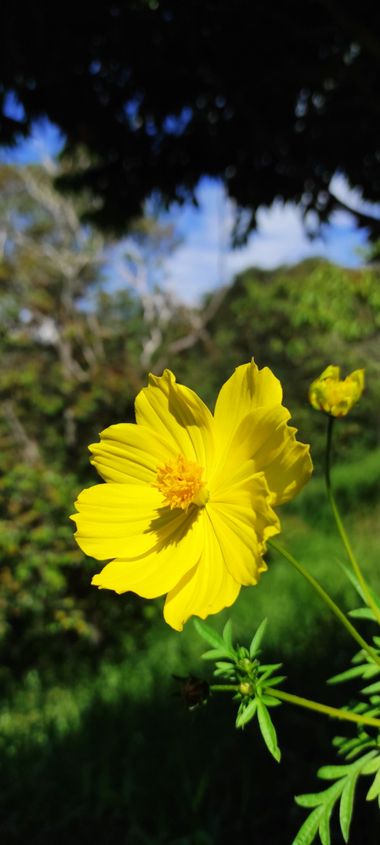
205	260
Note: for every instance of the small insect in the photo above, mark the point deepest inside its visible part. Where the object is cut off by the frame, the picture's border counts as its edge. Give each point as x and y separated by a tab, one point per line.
192	690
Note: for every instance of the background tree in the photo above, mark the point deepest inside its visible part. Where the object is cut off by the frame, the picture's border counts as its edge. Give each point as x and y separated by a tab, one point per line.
274	100
73	355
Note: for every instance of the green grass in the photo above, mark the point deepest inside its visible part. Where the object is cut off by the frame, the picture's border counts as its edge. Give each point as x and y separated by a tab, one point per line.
356	486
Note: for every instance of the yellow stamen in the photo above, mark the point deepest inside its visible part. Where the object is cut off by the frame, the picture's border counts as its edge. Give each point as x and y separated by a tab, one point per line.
181	484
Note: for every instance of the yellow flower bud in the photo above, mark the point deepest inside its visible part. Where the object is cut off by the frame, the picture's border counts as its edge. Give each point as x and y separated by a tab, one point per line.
336	396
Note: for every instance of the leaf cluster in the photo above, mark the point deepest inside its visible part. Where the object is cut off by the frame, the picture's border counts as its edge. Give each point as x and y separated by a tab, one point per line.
251	681
322	803
239	670
362	753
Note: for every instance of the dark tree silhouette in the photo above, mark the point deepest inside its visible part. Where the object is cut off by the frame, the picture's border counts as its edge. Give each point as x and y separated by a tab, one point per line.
274	98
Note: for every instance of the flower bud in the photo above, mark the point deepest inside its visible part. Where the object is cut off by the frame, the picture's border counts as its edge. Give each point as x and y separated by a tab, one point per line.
336	396
246	688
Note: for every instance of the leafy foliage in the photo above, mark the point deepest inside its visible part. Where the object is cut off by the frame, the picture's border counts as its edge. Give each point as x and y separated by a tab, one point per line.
342	790
251	679
255	687
363	752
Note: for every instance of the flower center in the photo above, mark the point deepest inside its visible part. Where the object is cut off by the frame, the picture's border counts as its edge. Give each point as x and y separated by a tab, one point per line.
180	482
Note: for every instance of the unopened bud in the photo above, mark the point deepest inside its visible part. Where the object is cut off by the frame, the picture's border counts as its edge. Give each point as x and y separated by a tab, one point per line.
246	688
336	396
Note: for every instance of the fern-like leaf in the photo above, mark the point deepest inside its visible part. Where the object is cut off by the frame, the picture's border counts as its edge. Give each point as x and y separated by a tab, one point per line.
323	803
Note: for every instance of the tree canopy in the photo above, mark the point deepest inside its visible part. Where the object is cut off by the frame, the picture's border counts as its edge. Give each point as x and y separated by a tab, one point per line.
274	99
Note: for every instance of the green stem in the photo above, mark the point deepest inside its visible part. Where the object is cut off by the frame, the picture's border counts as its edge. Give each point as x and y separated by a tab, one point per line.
341	529
334	712
328	600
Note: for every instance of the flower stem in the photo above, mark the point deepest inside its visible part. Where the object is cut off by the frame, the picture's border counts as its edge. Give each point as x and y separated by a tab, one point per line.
341	529
328	600
334	712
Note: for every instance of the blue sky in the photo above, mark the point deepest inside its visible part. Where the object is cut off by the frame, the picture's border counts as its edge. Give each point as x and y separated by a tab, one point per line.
205	258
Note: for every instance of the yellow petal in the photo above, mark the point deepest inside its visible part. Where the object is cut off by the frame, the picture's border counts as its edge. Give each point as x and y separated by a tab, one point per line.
242	522
252	435
247	389
331	372
265	438
161	569
205	589
129	452
289	473
178	415
358	378
116	519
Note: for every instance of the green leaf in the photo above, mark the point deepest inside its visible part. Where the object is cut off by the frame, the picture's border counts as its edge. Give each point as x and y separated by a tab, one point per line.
256	640
324	801
270	701
334	772
368	612
268	730
371	765
350	755
324	825
351	577
362	613
346	805
215	653
208	634
309	828
228	675
372	688
272	682
245	716
227	635
374	789
266	670
312	799
355	672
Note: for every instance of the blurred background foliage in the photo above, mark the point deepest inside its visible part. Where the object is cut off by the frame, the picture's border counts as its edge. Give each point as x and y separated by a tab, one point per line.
88	710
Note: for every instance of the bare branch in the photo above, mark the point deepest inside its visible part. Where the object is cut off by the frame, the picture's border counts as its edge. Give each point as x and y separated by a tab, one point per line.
29	449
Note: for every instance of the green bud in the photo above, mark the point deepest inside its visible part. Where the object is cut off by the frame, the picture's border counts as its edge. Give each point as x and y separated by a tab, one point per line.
245	664
246	688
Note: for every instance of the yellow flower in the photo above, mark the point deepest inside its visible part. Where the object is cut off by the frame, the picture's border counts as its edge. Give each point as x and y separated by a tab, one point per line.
336	396
188	503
